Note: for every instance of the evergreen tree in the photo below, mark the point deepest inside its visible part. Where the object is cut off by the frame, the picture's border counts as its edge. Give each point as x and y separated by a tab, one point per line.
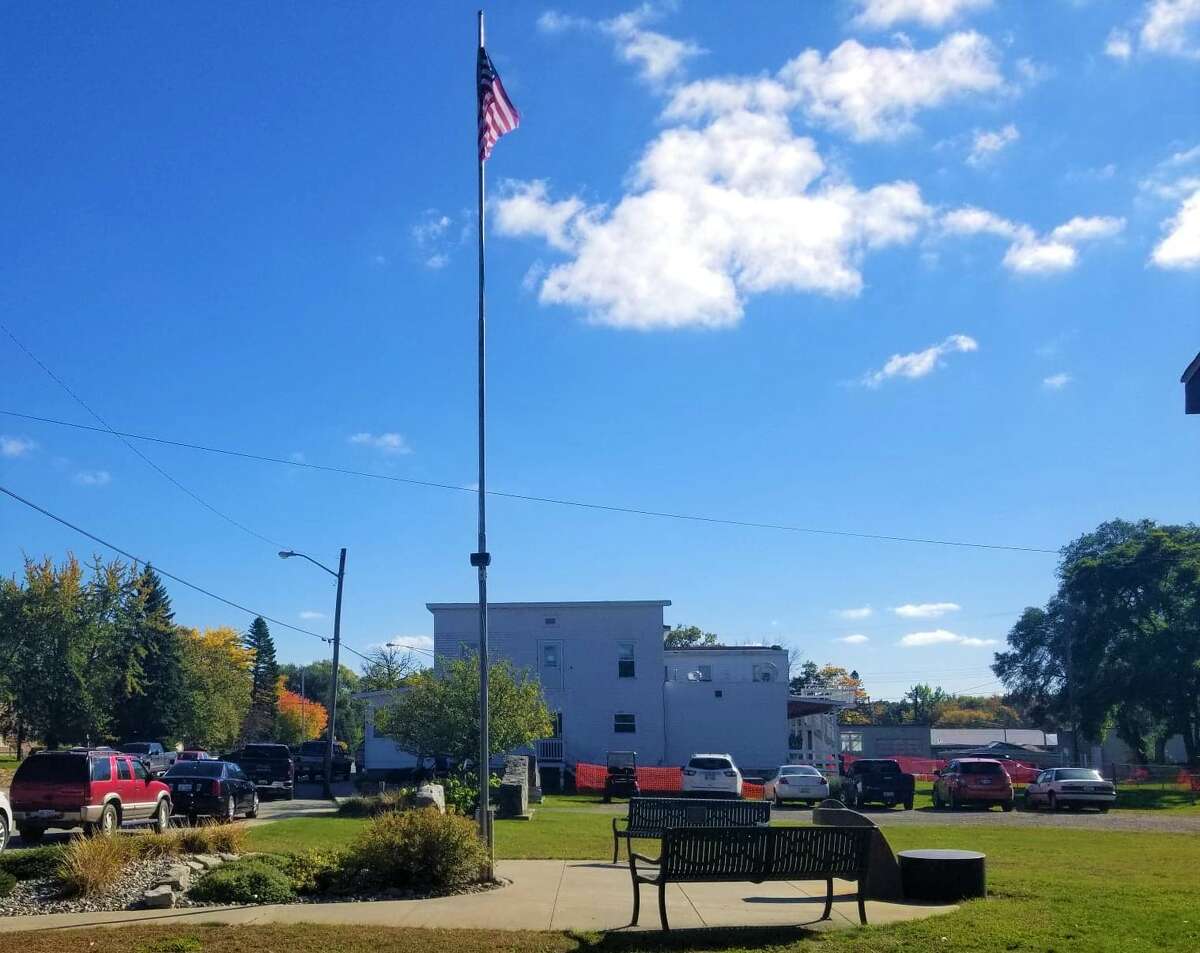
264	682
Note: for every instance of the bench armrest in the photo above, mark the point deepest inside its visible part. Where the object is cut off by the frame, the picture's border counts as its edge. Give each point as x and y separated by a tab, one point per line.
617	830
649	861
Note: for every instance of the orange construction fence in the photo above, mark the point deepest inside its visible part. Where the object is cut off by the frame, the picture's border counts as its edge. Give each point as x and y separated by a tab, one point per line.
590	778
923	768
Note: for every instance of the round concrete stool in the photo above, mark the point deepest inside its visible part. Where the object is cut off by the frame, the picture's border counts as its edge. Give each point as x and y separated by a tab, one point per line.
943	876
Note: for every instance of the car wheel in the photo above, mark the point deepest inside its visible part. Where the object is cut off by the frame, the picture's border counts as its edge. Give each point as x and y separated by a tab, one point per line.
3	831
1103	810
31	835
109	821
253	812
162	817
1052	801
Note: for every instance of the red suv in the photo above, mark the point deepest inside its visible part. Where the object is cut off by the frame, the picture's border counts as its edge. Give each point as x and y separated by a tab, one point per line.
100	789
973	781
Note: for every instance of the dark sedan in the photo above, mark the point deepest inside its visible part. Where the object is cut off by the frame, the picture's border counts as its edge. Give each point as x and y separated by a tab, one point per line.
211	788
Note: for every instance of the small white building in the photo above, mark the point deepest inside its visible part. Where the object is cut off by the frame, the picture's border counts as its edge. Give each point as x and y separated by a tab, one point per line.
613	686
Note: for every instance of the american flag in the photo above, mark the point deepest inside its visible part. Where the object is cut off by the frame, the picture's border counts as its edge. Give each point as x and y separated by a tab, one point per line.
497	114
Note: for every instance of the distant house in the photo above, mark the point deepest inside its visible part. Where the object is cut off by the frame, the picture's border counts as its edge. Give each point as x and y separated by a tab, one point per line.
612	685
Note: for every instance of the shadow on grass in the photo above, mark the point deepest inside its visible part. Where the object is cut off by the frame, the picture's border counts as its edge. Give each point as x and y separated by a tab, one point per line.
705	938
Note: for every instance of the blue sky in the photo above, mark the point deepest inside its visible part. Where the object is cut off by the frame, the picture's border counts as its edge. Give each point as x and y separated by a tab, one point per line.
907	267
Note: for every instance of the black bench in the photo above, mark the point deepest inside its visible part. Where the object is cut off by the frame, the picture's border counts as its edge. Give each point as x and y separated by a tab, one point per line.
651	816
756	854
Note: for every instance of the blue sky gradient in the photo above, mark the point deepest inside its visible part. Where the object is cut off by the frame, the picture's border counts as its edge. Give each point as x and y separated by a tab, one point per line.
254	228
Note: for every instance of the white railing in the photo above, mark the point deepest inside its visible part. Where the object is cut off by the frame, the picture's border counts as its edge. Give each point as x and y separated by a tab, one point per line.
550	749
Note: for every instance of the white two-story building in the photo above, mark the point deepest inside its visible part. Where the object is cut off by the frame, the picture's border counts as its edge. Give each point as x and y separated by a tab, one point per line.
613	686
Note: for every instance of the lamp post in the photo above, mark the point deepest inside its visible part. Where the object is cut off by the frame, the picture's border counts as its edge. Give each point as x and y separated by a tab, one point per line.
340	576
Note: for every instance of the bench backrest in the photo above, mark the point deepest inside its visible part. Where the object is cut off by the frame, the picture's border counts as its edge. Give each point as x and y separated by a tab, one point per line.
765	853
661	813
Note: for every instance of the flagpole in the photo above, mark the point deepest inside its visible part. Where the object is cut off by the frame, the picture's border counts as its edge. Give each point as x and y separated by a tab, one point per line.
481	558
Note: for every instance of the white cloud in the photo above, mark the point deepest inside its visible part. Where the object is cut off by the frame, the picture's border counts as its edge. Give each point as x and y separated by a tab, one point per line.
1028	252
1171	27
987	143
865	92
15	446
926	610
941	637
854	639
711	218
93	478
882	14
1056	381
658	57
309	614
865	612
920	363
436	237
392	443
297	456
417	643
1180	248
1119	45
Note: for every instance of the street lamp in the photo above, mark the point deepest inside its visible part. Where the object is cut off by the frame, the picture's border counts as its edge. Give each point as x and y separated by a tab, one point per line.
340	576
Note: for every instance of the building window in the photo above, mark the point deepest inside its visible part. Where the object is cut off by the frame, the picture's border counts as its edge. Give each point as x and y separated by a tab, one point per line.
557	718
551	620
764	672
852	742
550	655
719	693
705	672
625	724
626	665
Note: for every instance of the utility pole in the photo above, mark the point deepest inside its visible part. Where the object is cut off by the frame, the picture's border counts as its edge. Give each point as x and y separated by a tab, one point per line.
333	686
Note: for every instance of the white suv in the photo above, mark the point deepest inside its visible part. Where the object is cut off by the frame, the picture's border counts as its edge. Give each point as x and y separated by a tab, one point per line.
712	774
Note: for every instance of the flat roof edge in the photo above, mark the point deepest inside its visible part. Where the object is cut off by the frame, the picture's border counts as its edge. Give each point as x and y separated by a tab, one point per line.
662	603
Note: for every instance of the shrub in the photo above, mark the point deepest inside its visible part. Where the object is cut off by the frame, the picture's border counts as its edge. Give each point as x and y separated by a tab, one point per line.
462	792
251	880
90	865
7	883
151	844
32	862
211	838
314	871
398	799
421	850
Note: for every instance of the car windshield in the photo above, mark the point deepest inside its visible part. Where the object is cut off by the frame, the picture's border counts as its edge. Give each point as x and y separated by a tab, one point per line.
981	767
710	764
51	767
800	769
1077	774
138	748
196	769
267	751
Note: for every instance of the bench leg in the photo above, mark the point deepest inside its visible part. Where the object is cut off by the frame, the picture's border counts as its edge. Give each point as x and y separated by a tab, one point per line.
616	845
828	899
662	905
637	902
862	906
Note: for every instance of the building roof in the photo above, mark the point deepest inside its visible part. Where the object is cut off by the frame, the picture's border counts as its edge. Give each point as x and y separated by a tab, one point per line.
724	648
1192	370
603	603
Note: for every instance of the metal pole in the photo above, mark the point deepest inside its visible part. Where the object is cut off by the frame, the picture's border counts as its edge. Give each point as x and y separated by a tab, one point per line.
333	689
481	558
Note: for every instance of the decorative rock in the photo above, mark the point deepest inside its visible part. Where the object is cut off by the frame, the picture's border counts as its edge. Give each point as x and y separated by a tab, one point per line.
195	865
178	878
159	897
226	858
208	861
514	788
535	781
883	872
431	795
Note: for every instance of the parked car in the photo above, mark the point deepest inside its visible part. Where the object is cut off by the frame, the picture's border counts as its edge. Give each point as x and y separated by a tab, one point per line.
194	754
208	788
1070	788
269	766
796	782
712	774
100	789
621	779
878	781
310	760
973	781
155	757
6	820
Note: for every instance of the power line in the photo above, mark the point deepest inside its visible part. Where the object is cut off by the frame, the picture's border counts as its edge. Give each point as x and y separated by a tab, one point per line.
162	572
122	437
549	500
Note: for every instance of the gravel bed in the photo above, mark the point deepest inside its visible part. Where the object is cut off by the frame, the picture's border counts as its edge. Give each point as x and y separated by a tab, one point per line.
43	895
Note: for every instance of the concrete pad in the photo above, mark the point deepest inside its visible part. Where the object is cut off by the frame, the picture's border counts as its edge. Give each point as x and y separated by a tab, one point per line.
591	898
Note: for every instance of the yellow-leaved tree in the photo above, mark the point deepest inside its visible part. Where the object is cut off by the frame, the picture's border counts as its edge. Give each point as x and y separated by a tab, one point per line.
217	679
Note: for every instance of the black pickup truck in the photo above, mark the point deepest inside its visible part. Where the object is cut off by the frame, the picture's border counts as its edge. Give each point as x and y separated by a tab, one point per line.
310	760
268	766
877	781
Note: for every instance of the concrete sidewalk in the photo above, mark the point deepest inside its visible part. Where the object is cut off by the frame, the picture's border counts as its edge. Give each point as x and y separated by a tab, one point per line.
542	895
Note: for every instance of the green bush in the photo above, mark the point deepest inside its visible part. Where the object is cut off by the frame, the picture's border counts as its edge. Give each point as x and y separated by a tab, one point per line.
398	799
419	850
462	792
314	871
251	880
7	883
32	862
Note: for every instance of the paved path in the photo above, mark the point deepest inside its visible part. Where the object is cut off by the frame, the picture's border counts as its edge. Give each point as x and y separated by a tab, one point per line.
542	895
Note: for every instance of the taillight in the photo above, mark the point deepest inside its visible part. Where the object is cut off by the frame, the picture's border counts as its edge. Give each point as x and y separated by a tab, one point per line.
216	788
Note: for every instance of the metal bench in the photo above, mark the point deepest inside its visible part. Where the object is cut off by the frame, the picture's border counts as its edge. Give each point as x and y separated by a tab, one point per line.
650	816
756	855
